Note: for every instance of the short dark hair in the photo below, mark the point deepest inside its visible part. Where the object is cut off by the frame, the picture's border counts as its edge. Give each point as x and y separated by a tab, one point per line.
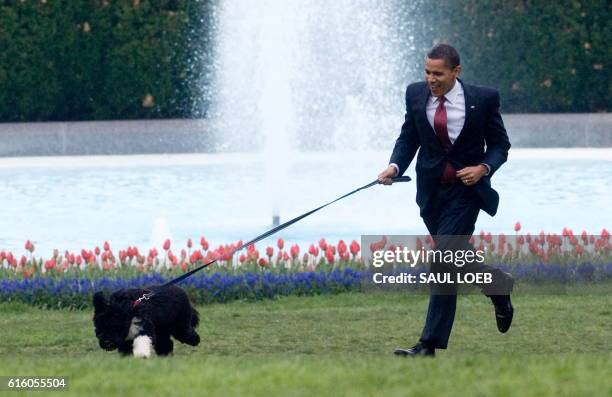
446	52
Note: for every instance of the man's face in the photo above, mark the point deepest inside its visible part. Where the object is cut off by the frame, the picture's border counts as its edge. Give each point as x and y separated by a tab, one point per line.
440	77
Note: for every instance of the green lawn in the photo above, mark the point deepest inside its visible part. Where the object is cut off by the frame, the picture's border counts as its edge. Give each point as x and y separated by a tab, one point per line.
559	345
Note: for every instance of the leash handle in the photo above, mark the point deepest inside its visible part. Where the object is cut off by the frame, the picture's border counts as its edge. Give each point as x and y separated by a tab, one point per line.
401	179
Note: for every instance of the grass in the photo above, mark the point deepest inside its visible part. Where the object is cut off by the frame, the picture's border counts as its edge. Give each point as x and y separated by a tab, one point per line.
559	345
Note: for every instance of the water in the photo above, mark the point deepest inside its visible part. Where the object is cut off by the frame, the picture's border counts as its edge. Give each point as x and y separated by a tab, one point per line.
80	202
308	75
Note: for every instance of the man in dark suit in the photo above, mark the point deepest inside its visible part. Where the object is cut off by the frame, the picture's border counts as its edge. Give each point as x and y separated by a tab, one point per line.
462	142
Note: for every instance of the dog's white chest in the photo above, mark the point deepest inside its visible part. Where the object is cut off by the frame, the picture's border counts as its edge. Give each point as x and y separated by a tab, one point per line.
135	329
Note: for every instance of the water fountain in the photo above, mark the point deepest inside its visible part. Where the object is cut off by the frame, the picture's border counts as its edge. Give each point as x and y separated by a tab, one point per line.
299	76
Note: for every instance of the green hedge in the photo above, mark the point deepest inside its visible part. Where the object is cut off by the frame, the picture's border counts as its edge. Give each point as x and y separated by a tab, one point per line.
106	59
543	56
103	59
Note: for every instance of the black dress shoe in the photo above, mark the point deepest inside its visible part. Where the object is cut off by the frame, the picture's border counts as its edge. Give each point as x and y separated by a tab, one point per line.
503	312
420	349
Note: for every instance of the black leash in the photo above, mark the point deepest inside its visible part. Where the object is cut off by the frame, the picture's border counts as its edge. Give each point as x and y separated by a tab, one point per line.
270	232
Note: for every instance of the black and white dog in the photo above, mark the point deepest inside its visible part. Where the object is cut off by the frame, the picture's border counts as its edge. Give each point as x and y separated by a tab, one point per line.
135	326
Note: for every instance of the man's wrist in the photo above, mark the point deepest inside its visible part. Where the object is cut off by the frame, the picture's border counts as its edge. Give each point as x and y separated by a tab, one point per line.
486	168
396	167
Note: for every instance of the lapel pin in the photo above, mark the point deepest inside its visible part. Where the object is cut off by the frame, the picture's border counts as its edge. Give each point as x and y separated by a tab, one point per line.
472	107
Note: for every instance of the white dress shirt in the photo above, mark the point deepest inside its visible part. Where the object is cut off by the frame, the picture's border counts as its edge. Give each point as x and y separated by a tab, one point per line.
455	110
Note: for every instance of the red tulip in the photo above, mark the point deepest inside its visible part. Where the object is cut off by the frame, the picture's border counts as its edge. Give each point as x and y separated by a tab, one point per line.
85	255
585	237
295	251
242	258
605	234
29	246
262	262
419	244
286	256
97	251
280	243
269	252
305	258
341	247
50	264
23	261
204	243
106	246
354	247
167	245
322	244
196	256
312	250
517	227
189	243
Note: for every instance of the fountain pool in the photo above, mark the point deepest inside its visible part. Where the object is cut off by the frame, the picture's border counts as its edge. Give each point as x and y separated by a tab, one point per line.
71	203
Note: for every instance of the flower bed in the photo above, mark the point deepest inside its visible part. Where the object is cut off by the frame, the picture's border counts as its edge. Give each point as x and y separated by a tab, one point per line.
69	280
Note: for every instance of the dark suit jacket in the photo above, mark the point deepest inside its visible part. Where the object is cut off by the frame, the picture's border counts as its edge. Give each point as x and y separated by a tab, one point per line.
483	125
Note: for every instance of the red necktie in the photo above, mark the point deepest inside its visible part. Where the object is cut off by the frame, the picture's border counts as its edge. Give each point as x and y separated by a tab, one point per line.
440	121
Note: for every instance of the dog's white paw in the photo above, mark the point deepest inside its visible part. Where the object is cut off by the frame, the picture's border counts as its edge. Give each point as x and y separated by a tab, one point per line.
142	346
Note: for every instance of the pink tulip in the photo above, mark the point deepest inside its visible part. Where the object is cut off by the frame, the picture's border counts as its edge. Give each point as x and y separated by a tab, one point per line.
295	251
50	264
342	248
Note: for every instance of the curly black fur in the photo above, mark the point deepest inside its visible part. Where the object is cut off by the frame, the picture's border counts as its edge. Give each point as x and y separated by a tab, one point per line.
168	313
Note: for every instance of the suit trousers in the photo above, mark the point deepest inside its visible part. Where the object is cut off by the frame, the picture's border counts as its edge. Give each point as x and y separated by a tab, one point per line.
451	221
